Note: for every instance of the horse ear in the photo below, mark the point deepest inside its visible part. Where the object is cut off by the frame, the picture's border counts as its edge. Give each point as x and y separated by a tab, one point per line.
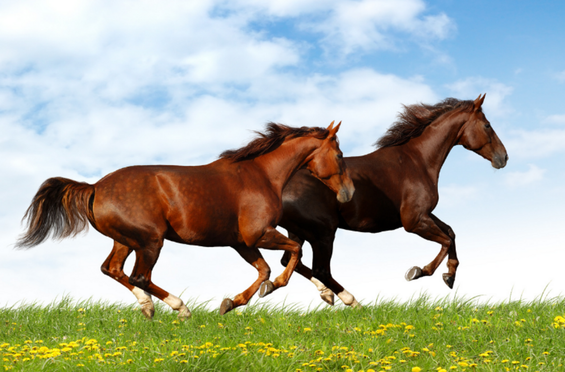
331	126
333	130
479	101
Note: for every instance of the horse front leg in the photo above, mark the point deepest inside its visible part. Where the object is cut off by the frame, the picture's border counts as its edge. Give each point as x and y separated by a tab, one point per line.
113	266
433	229
145	259
255	259
274	240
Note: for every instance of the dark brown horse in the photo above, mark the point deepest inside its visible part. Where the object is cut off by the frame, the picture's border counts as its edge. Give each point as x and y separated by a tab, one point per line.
396	186
235	201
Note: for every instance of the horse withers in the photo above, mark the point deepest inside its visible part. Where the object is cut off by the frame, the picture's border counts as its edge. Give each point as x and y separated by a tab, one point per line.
396	186
235	201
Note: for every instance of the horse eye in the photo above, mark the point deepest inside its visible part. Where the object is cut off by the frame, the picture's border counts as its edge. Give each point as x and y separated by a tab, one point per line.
340	156
487	125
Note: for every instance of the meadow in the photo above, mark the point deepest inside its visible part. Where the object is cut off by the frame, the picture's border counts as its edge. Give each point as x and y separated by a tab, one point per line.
419	335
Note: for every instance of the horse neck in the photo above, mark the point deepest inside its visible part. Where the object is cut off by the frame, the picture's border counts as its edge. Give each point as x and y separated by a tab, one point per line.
435	143
279	165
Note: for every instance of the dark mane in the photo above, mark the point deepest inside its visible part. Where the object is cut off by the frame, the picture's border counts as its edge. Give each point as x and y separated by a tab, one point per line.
415	118
273	137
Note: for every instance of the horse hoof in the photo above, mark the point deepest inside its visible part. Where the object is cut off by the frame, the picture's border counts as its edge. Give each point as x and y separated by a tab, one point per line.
267	287
328	296
449	280
148	311
184	313
227	305
413	273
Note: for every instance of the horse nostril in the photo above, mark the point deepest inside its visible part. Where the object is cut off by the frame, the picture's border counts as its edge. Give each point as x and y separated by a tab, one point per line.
506	157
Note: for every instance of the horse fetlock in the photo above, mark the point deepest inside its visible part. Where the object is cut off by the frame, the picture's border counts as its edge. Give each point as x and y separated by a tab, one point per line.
226	306
452	264
328	296
413	273
267	287
139	281
347	298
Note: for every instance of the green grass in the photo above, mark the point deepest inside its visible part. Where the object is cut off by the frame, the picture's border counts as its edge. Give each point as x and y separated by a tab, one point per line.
455	335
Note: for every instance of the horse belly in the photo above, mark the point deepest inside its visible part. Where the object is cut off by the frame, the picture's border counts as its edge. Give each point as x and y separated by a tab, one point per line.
203	225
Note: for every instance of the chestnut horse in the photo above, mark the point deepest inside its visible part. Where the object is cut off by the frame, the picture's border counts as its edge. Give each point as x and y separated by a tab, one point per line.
235	201
396	186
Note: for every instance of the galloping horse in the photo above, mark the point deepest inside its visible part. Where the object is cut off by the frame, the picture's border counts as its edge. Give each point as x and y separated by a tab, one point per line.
235	201
396	186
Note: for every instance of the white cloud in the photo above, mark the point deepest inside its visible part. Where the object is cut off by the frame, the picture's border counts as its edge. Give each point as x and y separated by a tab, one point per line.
365	25
471	88
555	119
560	76
532	175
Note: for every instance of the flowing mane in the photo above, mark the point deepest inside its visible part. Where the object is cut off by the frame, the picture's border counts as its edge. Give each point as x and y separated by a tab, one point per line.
274	136
415	118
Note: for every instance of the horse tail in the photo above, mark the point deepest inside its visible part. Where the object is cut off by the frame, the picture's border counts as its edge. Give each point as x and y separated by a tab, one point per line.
61	208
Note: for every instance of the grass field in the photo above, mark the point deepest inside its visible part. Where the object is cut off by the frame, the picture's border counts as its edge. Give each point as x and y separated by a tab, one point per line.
420	335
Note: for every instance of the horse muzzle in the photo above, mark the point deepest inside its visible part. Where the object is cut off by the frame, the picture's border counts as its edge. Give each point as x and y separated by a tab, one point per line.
346	191
499	161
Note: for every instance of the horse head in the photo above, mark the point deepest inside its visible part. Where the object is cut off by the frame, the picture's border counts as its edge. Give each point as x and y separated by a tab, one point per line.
326	163
479	136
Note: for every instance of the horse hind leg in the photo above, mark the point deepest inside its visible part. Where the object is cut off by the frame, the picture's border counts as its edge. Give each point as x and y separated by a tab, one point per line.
434	229
145	259
113	267
322	250
326	294
274	240
254	258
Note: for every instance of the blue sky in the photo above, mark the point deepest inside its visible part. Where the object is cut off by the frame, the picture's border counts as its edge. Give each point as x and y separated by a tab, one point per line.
87	87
